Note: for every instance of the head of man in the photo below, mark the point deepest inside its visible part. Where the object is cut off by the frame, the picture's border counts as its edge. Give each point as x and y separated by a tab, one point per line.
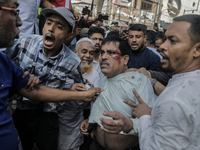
151	37
85	51
115	26
159	40
58	27
181	50
96	34
9	22
114	56
137	36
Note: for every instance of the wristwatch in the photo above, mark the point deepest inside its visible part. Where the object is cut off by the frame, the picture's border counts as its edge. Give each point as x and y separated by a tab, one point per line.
53	7
153	82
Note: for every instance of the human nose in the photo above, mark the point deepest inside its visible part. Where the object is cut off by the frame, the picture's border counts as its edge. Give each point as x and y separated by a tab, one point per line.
18	21
51	27
87	55
163	46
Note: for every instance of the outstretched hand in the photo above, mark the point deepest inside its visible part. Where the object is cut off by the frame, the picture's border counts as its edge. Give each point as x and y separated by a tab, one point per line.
140	109
91	93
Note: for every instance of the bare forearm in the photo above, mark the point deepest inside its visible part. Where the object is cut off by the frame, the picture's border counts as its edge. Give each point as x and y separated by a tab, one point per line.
158	87
43	93
46	4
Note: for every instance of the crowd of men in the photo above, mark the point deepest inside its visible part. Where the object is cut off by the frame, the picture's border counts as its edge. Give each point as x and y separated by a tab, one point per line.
82	86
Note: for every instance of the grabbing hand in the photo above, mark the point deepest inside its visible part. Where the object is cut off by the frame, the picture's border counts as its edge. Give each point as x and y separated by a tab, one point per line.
78	87
84	127
140	109
118	124
32	82
91	93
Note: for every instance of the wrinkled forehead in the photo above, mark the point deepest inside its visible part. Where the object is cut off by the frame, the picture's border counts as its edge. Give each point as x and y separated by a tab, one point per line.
111	46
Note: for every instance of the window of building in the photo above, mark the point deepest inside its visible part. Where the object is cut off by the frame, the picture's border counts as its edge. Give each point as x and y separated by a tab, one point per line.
146	6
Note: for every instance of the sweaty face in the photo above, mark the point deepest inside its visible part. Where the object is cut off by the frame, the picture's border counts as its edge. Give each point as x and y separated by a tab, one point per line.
85	51
111	61
176	50
158	43
136	40
55	32
97	40
9	23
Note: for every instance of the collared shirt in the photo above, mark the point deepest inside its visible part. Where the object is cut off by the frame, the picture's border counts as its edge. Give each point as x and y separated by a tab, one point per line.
23	52
28	13
10	83
144	58
174	123
117	89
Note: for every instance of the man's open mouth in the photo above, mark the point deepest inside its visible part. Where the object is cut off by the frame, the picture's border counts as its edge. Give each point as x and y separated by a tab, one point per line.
49	40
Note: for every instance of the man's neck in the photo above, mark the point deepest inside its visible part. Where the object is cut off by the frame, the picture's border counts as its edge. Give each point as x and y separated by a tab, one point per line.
123	71
96	56
52	52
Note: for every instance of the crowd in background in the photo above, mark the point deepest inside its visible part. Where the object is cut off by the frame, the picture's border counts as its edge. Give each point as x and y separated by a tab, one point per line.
85	82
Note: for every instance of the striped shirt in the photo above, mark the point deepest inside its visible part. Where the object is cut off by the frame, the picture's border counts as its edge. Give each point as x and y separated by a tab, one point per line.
23	52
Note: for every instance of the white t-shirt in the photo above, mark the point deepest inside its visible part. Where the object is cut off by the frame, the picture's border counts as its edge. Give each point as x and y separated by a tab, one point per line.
174	123
92	77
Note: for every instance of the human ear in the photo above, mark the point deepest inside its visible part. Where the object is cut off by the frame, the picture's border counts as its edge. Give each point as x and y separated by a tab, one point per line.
126	59
196	50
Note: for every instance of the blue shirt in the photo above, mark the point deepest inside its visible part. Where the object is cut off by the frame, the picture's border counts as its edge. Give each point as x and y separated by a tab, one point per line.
10	83
144	58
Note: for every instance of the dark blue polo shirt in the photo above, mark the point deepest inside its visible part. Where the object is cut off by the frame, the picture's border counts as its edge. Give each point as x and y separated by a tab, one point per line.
10	83
144	58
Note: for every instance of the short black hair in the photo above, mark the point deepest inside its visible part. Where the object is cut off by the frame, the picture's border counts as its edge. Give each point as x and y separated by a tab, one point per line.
161	35
123	45
138	27
94	29
113	33
151	36
194	30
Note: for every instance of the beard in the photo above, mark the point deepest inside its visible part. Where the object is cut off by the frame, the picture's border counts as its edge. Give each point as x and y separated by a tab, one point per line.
6	39
86	68
168	69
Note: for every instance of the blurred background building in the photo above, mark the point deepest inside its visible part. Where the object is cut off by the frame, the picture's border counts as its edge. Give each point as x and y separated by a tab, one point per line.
140	11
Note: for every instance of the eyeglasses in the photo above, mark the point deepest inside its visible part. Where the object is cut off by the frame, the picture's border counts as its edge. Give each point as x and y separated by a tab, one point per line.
14	11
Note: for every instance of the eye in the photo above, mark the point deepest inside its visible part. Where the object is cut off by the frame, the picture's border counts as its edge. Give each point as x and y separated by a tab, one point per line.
110	52
59	27
14	13
138	36
48	23
173	41
102	52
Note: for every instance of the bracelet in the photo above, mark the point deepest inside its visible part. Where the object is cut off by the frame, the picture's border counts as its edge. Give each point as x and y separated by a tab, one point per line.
53	7
153	82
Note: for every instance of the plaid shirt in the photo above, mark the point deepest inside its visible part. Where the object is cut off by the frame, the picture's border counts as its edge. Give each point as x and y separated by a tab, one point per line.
23	52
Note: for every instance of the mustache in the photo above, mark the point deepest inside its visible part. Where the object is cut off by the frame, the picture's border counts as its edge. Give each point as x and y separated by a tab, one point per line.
97	44
51	35
163	54
104	61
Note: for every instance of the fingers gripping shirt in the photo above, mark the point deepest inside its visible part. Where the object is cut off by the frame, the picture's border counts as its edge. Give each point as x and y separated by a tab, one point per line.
121	88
